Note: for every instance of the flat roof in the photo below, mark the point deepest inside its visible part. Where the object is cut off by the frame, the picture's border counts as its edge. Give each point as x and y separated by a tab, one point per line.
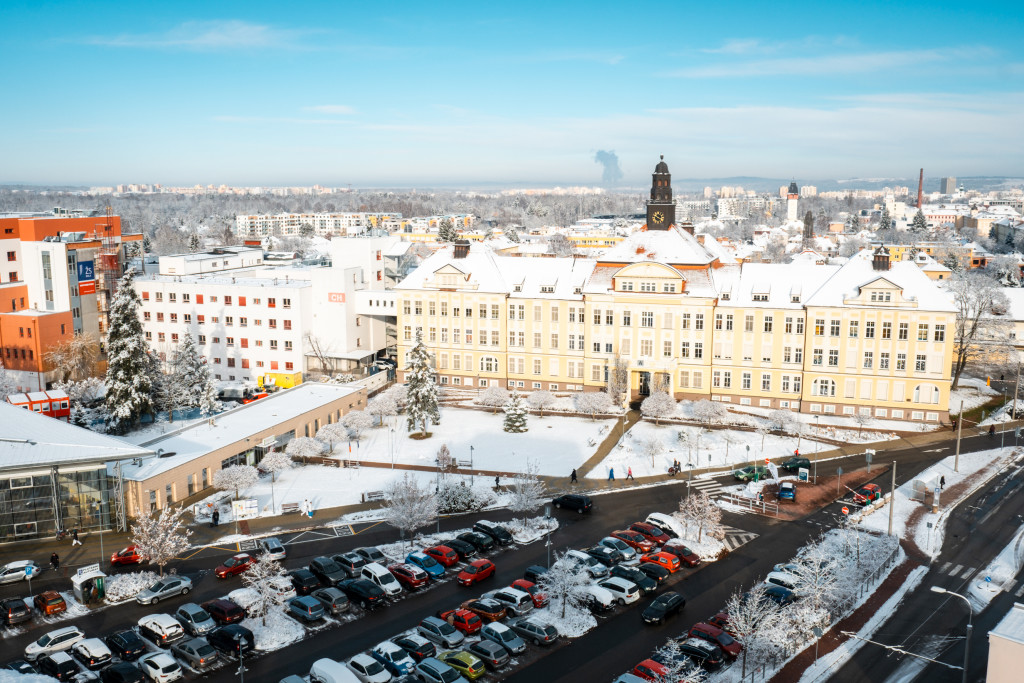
1011	626
30	441
232	426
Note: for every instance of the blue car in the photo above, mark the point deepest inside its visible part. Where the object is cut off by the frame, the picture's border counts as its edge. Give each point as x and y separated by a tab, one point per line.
787	491
395	659
428	564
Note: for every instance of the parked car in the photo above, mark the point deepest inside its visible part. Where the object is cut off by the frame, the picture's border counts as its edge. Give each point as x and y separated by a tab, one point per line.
598	599
395	659
54	641
464	549
333	600
626	592
721	620
644	582
485	608
663	607
305	608
433	670
127	557
482	542
350	562
327	571
367	669
366	594
500	534
717	636
462	619
540	599
194	619
650	670
652	533
409	577
751	473
428	564
492	654
534	572
634	539
702	652
777	594
121	672
50	602
475	572
224	611
867	493
534	630
371	554
232	639
20	666
465	662
665	560
329	671
588	563
271	549
303	581
196	652
784	579
609	557
654	572
160	667
667	523
685	555
92	653
161	629
440	631
376	574
787	491
418	647
516	602
58	665
234	565
443	555
574	501
126	645
502	635
167	587
795	463
626	551
19	571
14	611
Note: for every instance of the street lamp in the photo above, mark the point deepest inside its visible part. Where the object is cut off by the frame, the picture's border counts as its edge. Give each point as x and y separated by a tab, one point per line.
241	657
970	625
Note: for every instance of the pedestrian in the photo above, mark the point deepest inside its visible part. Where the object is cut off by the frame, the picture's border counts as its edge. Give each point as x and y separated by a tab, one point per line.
497	482
954	424
215	517
611	474
796	453
572	477
992	431
309	509
629	473
55	561
74	537
942	482
451	618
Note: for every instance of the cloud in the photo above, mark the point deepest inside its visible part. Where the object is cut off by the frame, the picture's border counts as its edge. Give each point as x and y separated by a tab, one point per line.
331	109
736	47
210	36
278	119
818	65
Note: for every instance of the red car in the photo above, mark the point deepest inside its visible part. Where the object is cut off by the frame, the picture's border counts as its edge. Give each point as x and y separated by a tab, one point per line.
409	576
685	555
129	555
650	532
538	596
635	540
486	608
463	620
721	620
477	571
717	636
234	565
442	554
650	670
867	493
666	560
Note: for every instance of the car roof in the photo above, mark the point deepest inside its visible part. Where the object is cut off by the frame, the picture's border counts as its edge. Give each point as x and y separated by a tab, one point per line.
497	626
161	619
59	657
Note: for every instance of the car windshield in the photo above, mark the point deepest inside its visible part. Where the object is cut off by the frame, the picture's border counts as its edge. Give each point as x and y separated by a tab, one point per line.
158	586
471	569
387	579
331	567
506	636
724	639
450	675
426	561
170	668
373	668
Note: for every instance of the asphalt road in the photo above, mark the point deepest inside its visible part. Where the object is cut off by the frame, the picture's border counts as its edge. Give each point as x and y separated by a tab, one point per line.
620	640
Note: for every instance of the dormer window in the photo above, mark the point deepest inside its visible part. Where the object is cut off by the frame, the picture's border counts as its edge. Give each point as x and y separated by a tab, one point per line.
577	290
547	289
760	297
726	296
648	287
627	286
517	288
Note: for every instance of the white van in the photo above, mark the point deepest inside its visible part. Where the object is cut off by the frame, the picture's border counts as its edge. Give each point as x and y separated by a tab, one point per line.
385	580
667	523
329	671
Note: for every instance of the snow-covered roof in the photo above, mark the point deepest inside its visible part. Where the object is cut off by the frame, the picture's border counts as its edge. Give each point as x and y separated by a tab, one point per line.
396	249
1011	627
1016	298
674	246
34	441
234	425
290	278
859	271
780	283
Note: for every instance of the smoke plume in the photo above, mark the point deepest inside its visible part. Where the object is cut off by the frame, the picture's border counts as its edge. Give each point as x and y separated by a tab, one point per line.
610	160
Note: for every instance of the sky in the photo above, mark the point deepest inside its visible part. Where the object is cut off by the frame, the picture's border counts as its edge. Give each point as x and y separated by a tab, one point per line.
414	94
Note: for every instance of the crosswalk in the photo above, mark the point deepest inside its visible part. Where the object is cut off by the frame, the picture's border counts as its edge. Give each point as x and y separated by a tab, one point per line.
734	538
964	572
708	486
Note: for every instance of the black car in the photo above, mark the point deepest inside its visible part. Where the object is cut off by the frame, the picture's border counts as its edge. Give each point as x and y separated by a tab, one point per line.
499	533
707	655
574	501
327	571
126	645
662	607
609	557
351	563
304	581
366	594
21	666
482	542
232	639
646	583
795	463
463	549
14	611
534	572
58	665
654	571
418	647
121	672
779	595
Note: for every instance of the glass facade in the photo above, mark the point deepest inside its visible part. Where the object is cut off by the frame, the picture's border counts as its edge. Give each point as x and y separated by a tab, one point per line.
27	502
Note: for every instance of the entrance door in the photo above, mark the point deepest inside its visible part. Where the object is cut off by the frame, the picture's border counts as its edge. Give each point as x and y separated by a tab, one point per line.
645	384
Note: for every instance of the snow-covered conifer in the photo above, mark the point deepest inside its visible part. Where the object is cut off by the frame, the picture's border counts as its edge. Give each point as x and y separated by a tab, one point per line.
129	381
515	414
162	536
422	392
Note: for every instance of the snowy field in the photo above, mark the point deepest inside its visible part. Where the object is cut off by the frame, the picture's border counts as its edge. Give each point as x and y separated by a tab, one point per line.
717	448
1003	569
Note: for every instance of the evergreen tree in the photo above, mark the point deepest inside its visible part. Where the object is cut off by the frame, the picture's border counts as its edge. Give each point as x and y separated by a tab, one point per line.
78	417
422	392
306	230
190	372
513	235
446	231
885	223
194	243
515	414
129	378
919	225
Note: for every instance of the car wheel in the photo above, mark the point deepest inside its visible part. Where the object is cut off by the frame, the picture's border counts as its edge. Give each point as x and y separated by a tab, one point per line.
155	600
558	506
579	511
362	603
185	590
620	602
536	641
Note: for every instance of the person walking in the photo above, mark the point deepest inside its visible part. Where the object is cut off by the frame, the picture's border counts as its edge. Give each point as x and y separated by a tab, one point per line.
992	431
74	537
309	509
497	482
215	517
611	474
629	473
942	482
55	561
572	477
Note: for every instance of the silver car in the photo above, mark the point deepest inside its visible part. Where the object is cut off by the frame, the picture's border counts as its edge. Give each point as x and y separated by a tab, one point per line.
271	549
194	619
440	632
502	635
197	653
167	587
16	571
333	600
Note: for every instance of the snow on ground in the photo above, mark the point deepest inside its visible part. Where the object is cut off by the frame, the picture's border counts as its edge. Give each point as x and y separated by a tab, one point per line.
973	392
526	531
830	426
1000	573
122	587
717	448
575	623
280	631
1001	414
930	540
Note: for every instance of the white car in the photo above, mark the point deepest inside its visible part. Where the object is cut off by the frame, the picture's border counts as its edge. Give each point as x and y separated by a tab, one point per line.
784	579
16	571
54	641
599	599
625	591
367	669
667	523
160	667
162	629
92	653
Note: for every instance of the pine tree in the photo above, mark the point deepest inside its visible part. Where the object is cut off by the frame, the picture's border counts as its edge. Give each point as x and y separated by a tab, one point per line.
919	225
194	243
7	384
422	392
513	235
515	414
129	380
190	372
446	231
886	221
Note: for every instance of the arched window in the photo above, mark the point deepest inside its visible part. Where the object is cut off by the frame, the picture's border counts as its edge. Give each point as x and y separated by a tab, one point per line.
488	364
823	387
926	393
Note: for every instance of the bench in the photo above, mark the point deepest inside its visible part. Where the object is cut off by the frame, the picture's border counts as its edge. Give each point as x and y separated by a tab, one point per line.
350	463
370	496
289	507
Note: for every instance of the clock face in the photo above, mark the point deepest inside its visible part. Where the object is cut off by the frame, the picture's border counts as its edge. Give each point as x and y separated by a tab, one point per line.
658	217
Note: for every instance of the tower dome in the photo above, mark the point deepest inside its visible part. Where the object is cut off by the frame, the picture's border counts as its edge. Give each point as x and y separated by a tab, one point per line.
662	167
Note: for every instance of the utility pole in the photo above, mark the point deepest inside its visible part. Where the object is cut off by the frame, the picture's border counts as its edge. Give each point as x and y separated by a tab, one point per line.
959	429
892	496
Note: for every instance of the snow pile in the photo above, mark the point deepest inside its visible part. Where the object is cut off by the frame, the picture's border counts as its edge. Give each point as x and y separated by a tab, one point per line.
280	631
1003	414
15	677
122	587
530	530
1001	573
243	597
575	623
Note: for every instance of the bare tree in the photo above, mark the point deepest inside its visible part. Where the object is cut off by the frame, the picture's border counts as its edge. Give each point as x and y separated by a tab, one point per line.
618	380
356	422
7	384
74	359
540	399
750	617
708	412
565	585
264	578
592	402
494	396
162	536
979	331
408	505
381	406
780	419
527	489
700	511
275	461
329	434
236	478
652	448
817	573
862	420
658	405
320	350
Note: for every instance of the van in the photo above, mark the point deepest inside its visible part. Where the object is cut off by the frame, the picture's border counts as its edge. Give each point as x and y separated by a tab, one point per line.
666	523
382	578
329	671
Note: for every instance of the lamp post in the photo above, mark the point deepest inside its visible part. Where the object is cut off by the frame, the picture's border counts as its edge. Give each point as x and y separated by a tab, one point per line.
391	444
970	625
241	657
472	478
817	444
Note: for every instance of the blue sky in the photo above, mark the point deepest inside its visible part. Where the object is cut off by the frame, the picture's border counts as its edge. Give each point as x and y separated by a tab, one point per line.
421	94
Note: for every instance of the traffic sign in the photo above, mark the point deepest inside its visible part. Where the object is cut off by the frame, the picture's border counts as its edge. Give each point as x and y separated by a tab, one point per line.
767	460
846	510
839	471
988	579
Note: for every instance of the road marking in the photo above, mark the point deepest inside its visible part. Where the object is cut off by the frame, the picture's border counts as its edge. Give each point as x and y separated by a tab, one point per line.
956	570
967	573
945	567
1020	590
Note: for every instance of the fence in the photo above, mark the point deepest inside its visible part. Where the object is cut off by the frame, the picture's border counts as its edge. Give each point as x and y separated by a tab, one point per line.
751	504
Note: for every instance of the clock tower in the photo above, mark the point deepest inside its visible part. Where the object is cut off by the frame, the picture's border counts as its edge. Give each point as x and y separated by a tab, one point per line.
661	208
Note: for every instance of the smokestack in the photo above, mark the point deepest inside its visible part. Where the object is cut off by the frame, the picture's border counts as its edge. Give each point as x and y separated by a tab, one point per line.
920	189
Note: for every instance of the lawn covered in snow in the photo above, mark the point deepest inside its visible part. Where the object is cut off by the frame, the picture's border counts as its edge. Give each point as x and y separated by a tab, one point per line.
973	392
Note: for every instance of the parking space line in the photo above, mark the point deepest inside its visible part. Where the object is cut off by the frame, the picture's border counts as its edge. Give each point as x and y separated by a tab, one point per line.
1020	590
956	570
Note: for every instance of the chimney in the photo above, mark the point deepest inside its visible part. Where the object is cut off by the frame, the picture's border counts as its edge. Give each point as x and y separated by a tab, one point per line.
880	259
920	189
461	248
687	226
